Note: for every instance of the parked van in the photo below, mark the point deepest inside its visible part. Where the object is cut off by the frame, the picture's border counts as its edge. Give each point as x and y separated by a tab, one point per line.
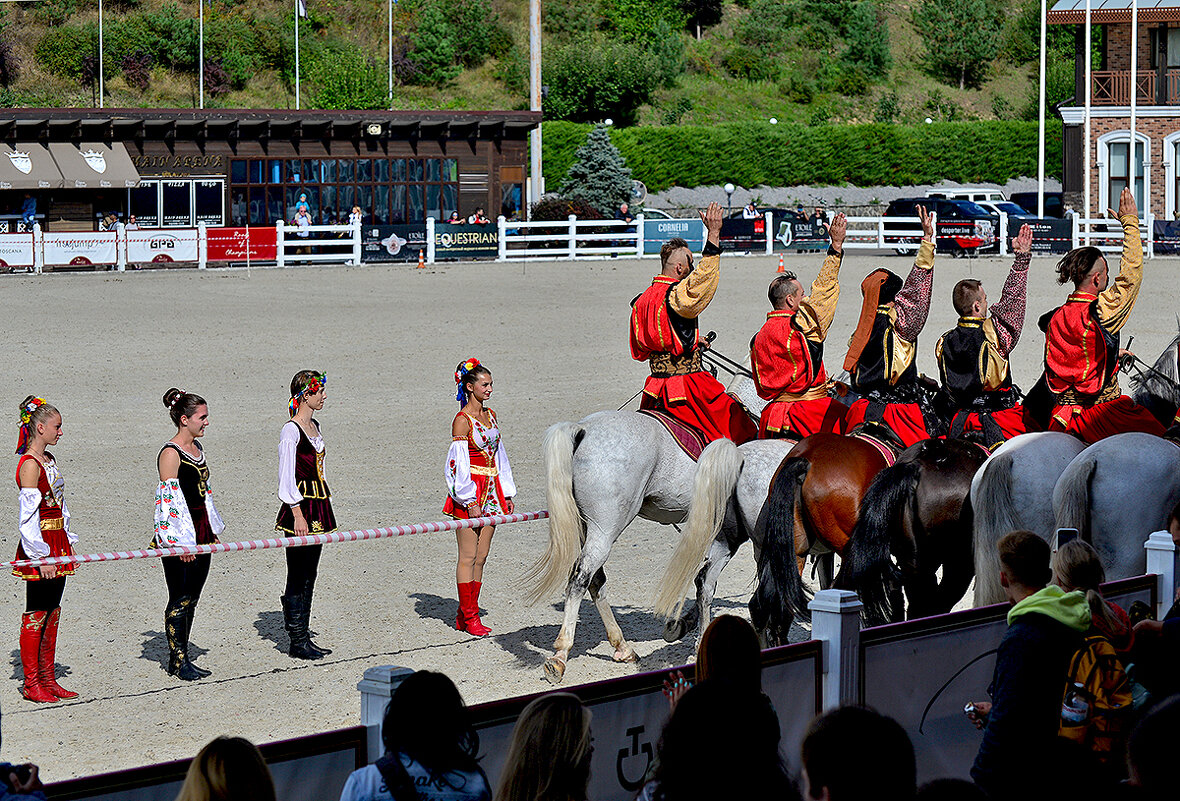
972	193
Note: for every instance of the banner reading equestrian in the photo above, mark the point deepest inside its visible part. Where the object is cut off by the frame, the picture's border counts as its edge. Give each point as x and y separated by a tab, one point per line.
466	241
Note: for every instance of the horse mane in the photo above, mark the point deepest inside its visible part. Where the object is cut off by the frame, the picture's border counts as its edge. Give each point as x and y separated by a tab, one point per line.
1153	390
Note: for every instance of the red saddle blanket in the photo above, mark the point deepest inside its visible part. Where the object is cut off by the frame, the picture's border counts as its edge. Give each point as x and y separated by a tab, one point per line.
881	445
689	439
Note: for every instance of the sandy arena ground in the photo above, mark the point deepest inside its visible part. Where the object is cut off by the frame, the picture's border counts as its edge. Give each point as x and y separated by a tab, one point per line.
104	347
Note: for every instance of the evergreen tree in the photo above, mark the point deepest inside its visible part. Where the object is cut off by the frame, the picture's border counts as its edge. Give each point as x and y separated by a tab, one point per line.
599	174
961	37
433	52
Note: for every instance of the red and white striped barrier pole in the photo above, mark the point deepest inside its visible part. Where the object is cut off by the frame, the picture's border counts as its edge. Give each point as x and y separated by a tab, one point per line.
286	542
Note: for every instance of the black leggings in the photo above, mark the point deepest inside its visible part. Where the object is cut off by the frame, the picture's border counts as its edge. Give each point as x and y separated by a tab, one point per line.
185	578
44	595
302	564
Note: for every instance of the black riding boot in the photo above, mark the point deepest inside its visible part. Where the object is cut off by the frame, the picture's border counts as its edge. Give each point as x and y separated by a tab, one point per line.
176	630
295	617
190	611
307	622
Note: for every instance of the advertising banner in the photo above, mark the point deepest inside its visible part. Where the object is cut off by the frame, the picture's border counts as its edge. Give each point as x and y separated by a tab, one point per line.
1167	236
466	241
742	234
1050	235
800	235
229	244
162	246
81	248
392	242
16	250
657	231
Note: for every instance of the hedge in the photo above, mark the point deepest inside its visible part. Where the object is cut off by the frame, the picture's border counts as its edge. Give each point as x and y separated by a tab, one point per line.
753	154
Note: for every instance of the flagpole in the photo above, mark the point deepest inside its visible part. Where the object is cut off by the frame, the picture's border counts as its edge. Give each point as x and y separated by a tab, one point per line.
390	54
1041	121
296	55
100	80
201	51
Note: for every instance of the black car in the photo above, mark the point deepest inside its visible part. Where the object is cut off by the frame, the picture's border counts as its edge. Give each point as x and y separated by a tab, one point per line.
750	234
962	228
1054	203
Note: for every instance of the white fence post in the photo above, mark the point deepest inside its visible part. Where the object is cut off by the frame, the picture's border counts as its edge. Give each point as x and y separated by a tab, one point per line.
639	235
280	239
430	240
1003	233
202	246
573	237
376	689
1161	561
881	232
356	243
121	248
1076	231
1150	235
38	249
501	244
835	620
769	233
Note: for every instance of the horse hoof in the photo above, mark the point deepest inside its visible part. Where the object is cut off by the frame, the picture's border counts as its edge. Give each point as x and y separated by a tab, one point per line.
554	669
628	655
674	630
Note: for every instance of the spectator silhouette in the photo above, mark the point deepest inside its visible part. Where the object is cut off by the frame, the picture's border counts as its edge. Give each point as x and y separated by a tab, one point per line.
549	756
430	748
1151	749
228	769
729	650
856	754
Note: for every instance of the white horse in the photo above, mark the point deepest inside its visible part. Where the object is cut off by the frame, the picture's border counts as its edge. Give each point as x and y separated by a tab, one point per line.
601	473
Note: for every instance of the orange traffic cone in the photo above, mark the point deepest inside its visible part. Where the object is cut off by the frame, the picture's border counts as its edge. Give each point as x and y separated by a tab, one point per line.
781	267
421	261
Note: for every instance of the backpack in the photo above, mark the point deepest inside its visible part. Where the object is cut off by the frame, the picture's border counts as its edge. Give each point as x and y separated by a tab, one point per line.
1107	689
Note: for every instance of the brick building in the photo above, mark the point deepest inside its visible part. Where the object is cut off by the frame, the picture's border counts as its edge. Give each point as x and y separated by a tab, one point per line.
1153	169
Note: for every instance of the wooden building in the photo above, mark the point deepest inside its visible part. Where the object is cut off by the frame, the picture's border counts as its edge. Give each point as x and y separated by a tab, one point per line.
179	167
1152	167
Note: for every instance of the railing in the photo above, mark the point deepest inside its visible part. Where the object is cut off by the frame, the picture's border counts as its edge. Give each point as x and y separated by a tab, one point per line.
571	239
296	243
1113	87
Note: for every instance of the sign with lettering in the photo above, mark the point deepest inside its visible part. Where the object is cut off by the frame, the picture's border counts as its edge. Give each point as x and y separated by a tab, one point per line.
81	248
235	244
657	231
392	242
174	165
162	246
16	250
466	241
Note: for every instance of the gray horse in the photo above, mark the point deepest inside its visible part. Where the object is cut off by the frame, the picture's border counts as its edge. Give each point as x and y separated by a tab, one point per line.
601	473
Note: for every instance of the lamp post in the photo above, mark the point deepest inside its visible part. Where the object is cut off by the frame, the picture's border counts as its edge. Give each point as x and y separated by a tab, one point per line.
729	189
536	182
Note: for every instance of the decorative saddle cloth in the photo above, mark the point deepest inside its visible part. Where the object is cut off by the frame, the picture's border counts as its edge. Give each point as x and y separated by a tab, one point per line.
689	439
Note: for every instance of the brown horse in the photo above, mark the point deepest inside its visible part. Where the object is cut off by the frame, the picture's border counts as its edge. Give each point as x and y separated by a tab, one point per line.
917	512
811	508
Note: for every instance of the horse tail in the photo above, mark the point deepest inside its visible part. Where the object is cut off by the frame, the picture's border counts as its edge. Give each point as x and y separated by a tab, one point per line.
779	583
712	488
552	570
1071	496
867	567
992	491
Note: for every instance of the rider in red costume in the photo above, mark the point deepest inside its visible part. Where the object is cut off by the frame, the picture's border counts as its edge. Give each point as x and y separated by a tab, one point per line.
786	355
664	333
973	356
880	358
1082	339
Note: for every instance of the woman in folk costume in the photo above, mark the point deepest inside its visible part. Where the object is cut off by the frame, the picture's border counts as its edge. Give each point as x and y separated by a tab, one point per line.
306	506
44	532
479	483
185	515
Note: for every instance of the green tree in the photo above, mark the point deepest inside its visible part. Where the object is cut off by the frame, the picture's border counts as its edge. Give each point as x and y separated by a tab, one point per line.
599	174
866	39
343	78
961	37
433	51
596	78
636	19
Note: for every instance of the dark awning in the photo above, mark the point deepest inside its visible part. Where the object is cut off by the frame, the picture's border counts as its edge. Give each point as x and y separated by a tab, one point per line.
28	166
94	165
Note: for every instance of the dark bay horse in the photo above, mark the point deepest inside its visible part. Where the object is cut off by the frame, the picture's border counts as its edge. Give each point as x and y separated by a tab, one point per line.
919	512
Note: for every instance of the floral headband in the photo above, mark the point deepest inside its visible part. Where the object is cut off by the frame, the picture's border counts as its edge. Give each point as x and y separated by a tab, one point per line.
26	417
313	385
461	373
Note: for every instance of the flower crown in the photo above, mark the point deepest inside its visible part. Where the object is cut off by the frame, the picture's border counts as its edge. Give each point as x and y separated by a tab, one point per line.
26	412
314	384
461	373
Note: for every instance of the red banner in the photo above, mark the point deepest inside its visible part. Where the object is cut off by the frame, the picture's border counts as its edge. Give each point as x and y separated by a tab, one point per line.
229	244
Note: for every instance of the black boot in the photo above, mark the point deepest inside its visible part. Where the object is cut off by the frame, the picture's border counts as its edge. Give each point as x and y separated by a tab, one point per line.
307	623
176	631
295	615
189	611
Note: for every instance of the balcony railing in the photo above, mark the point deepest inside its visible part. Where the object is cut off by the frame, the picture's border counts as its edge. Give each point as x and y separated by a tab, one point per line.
1113	88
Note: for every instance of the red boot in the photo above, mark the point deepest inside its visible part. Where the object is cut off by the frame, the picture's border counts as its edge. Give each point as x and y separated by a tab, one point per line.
470	612
49	656
32	626
462	605
475	601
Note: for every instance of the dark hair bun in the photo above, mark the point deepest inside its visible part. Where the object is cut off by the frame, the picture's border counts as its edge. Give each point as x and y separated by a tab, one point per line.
171	397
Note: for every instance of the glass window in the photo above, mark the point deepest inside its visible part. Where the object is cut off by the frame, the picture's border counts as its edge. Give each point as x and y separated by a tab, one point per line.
364	170
328	170
313	199
434	201
347	199
413	170
257	173
381	202
275	210
239	208
258	215
178	208
397	170
450	200
1120	172
294	171
274	171
207	199
381	171
328	199
397	203
310	172
237	171
144	203
433	169
414	204
451	170
344	173
364	199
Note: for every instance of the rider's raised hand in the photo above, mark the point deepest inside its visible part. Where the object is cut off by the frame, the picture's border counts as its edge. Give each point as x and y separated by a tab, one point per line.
1126	204
711	217
837	231
1023	241
927	218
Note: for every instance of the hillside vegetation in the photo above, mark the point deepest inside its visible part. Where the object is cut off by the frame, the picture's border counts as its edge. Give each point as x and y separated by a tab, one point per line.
650	62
